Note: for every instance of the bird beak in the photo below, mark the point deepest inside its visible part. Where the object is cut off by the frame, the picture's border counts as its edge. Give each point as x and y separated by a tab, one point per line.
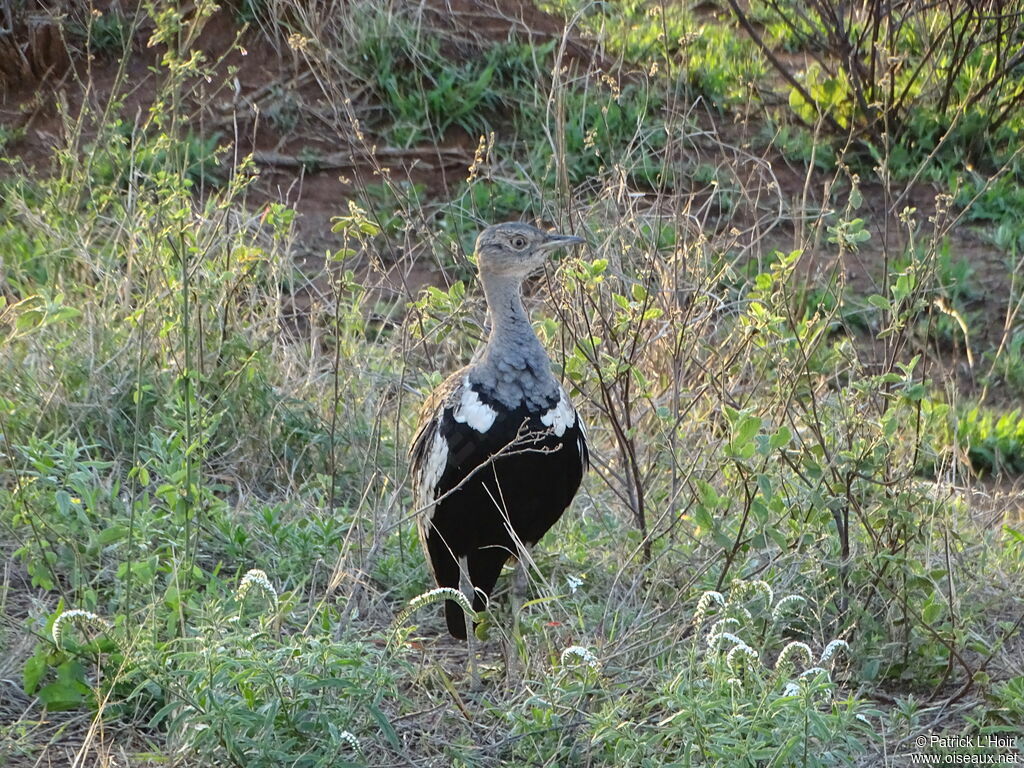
555	241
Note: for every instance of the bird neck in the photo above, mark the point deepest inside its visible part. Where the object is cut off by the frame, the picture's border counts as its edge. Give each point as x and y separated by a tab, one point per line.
513	365
505	309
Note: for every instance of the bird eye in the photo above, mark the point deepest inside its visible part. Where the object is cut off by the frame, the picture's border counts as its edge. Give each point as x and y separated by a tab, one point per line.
518	242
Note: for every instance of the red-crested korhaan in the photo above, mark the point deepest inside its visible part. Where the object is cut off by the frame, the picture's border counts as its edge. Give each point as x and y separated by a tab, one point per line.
500	450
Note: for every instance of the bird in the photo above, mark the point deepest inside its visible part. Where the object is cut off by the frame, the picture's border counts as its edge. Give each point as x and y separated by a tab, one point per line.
500	451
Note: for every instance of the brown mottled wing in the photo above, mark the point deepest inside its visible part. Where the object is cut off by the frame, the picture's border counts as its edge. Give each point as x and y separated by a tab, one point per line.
429	452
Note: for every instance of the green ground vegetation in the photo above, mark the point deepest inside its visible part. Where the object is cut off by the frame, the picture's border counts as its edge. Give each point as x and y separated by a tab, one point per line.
794	333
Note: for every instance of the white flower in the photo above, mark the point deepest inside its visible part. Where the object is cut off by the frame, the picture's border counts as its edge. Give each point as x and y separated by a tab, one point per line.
831	649
585	655
719	626
714	641
765	589
574	582
793	649
88	617
704	603
257	579
813	672
432	596
792	689
740	655
785	604
350	739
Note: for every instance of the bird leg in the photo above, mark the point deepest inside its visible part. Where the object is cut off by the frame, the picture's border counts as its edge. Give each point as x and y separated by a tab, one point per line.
520	580
466	588
520	583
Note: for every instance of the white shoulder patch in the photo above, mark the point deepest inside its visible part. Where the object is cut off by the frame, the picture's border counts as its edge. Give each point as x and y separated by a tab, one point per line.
472	411
562	416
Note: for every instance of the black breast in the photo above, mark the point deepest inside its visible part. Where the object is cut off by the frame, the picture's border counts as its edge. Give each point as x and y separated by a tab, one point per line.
501	487
518	466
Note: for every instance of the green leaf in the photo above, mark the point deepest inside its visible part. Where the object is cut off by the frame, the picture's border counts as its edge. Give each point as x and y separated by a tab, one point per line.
915	392
931	613
33	671
722	540
1013	533
781	437
110	535
778	537
708	495
385	726
65	313
744	431
702	517
731	414
68	691
870	670
63	499
61	695
539	601
30	318
759	510
904	286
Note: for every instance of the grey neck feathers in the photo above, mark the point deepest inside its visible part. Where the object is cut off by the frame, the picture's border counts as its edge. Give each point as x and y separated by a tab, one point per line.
513	367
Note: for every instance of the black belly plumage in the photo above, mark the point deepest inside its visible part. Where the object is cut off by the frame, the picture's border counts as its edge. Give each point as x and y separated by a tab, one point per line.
500	488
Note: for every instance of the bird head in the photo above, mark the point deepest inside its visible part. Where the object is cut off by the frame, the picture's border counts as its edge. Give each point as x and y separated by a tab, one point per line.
515	249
